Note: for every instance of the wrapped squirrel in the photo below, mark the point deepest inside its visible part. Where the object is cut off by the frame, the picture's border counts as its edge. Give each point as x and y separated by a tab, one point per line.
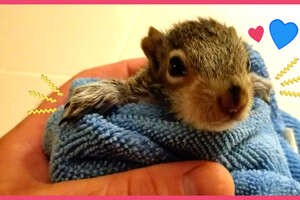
199	70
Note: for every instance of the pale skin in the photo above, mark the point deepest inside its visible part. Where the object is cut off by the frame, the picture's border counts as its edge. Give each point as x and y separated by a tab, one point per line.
24	166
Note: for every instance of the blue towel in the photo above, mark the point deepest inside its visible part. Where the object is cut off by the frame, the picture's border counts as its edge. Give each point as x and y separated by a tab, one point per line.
137	135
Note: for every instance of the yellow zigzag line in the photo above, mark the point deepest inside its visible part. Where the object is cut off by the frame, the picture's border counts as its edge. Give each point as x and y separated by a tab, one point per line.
290	81
42	96
55	89
289	93
39	111
286	68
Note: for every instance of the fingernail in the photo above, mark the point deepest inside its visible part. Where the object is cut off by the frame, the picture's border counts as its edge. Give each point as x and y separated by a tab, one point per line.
189	183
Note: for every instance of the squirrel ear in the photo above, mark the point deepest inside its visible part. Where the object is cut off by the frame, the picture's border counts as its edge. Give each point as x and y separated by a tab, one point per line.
153	46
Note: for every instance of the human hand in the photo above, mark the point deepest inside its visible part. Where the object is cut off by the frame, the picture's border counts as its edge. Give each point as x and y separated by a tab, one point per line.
24	167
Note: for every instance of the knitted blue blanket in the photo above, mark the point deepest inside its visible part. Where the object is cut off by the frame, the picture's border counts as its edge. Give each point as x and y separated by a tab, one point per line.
137	135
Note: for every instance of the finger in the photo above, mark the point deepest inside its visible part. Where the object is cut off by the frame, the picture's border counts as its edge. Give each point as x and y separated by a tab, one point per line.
135	64
182	178
119	70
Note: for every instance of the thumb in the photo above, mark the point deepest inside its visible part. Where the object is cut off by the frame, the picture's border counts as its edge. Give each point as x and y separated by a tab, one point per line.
181	178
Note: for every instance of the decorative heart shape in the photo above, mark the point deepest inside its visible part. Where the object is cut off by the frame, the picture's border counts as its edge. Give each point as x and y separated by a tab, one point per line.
256	34
282	34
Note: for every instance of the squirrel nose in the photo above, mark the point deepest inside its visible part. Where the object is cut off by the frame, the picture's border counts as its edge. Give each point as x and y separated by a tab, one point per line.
231	102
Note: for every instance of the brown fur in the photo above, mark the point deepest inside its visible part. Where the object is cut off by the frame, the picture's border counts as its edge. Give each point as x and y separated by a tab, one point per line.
216	91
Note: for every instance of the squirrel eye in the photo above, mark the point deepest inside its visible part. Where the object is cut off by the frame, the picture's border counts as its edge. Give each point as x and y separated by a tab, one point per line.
176	67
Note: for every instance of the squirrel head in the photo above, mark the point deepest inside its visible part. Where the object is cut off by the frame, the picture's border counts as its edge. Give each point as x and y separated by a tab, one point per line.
204	68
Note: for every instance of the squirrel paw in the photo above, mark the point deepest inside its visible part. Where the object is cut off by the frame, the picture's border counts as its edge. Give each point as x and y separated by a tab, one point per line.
98	96
262	87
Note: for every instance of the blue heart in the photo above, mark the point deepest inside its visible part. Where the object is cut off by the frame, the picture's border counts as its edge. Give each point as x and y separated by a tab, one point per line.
282	34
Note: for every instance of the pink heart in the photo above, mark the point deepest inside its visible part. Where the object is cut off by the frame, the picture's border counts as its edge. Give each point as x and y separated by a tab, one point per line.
256	34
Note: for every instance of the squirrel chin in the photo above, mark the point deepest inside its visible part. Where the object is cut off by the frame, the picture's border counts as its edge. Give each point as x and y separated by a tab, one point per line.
222	124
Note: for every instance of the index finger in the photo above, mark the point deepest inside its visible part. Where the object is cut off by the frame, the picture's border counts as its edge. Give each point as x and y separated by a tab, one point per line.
119	70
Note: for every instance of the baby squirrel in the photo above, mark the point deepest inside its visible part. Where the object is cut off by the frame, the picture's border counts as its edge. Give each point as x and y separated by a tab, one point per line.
199	70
